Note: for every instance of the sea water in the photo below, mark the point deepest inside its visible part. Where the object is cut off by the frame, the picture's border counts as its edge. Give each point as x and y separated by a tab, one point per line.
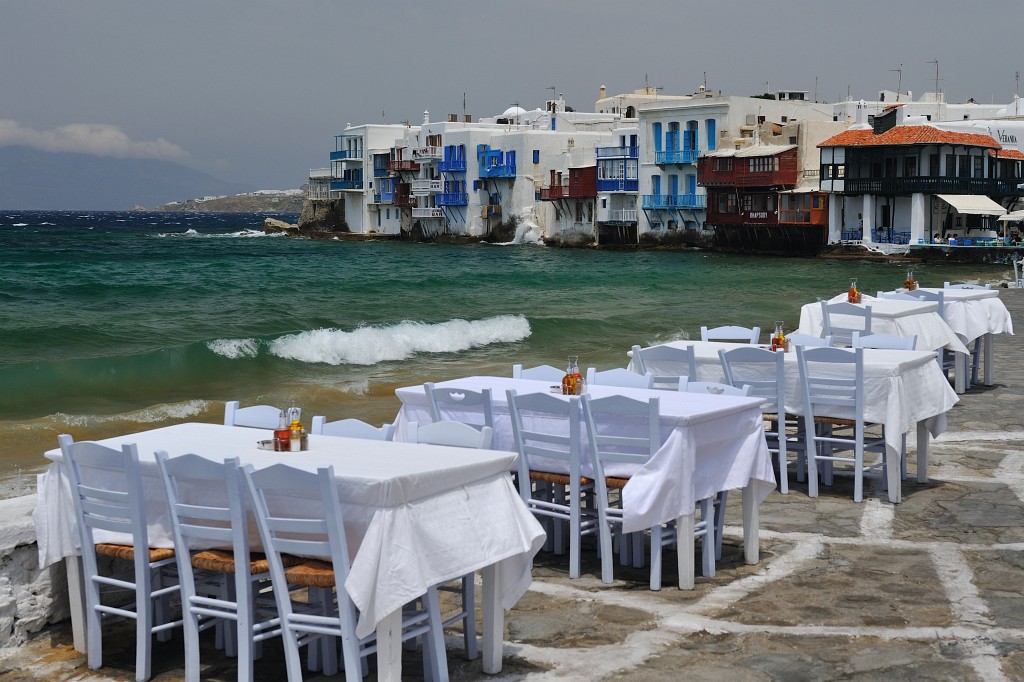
118	322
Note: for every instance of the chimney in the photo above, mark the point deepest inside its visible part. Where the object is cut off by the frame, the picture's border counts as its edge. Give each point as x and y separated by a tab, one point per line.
602	93
426	117
861	118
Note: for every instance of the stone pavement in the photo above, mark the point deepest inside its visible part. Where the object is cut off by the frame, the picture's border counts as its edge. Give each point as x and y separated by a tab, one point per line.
930	589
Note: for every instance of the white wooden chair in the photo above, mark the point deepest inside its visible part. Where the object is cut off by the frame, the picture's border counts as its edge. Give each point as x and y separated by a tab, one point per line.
459	435
118	505
1018	273
763	373
667	363
254	416
749	335
890	341
547	435
208	508
352	428
832	379
838	320
460	404
946	358
538	373
606	419
315	528
619	377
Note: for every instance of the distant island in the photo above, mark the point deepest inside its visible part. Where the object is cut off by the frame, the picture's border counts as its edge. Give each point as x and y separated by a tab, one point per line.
261	201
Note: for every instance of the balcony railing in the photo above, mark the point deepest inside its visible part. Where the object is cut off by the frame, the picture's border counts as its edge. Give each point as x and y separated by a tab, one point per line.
452	199
422	188
677	156
666	201
452	165
428	153
618	185
789	215
498	171
402	165
428	213
618	152
347	155
623	215
554	192
346	184
321	173
994	186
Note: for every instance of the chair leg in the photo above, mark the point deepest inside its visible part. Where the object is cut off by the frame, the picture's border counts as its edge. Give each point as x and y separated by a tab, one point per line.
783	457
434	641
707	545
719	516
143	624
469	623
656	556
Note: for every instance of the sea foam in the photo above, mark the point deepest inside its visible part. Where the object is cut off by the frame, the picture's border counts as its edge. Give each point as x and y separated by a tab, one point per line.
234	348
372	345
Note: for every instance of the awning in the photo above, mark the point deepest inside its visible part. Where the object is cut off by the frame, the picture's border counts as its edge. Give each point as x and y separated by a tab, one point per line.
972	204
1011	217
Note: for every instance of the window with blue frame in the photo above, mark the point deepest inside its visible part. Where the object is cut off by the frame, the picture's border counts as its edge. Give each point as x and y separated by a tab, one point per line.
656	135
536	156
709	126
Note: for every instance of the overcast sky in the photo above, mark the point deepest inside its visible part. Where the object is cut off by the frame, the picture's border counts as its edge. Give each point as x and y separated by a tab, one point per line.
253	91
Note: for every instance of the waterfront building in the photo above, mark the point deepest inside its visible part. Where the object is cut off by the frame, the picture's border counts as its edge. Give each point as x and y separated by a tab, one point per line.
617	186
902	180
674	134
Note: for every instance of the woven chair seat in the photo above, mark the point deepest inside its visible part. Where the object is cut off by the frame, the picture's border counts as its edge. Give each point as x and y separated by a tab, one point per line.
311	573
223	561
615	482
836	421
127	552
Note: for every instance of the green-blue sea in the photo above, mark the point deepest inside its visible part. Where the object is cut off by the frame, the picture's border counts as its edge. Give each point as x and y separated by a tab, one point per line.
118	322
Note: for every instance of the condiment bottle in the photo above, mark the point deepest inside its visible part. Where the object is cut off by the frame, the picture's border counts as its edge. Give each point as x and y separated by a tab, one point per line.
778	338
568	381
577	380
295	429
282	434
854	295
910	283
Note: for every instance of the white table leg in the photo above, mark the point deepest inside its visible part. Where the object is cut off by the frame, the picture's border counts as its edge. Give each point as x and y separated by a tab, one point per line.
922	451
960	372
751	526
988	344
893	473
494	620
76	600
684	551
389	647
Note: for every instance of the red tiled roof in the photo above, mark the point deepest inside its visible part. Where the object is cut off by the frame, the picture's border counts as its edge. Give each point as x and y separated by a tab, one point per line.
908	135
1007	154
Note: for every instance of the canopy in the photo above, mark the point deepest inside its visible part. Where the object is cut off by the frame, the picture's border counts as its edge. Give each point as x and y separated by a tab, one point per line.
972	204
1011	217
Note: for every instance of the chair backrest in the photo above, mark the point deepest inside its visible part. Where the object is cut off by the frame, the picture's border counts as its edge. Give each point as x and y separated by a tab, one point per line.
464	405
448	432
716	388
621	430
667	363
1018	276
749	335
884	341
619	377
106	491
254	416
539	373
299	513
207	509
761	371
798	339
547	432
352	428
899	295
839	320
832	378
947	285
937	296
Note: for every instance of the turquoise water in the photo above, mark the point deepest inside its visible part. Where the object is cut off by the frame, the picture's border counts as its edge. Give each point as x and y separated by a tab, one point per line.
116	322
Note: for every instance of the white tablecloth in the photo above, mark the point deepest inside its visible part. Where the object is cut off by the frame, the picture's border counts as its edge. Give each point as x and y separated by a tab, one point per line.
415	515
902	318
974	312
710	444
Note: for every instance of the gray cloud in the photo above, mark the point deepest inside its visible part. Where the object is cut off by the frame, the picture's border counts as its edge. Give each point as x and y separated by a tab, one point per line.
89	138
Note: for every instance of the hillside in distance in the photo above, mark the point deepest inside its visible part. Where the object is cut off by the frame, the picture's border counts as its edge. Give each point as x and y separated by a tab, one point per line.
31	179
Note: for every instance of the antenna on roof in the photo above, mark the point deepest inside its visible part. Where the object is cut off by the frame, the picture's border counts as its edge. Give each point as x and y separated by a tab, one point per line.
899	83
936	63
463	106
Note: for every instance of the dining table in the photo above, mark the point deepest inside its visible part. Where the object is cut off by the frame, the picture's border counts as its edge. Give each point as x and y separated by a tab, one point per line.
900	318
974	314
419	514
903	390
710	443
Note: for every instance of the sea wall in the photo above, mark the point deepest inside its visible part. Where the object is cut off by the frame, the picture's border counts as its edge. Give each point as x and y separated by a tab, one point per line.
30	598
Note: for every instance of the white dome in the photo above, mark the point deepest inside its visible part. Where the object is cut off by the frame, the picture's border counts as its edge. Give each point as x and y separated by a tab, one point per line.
513	112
